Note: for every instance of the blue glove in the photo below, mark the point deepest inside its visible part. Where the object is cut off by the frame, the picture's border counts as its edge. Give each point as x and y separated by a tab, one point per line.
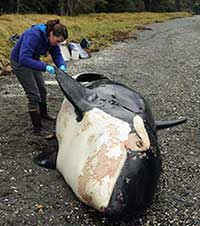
50	69
63	68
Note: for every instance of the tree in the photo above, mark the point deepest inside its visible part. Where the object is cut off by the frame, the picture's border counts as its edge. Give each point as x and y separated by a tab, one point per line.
147	5
74	7
62	7
18	6
155	4
100	6
71	6
120	6
178	5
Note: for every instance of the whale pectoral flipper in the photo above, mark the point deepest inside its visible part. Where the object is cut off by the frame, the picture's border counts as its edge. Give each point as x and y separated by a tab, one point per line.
168	124
78	95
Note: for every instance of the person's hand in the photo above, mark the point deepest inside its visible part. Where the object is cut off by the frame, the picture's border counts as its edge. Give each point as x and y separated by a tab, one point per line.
63	68
50	69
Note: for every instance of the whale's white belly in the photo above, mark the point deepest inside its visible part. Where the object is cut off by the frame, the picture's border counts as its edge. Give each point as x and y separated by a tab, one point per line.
91	153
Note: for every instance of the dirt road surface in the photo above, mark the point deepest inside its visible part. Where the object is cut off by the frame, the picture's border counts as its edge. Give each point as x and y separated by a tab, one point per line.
163	64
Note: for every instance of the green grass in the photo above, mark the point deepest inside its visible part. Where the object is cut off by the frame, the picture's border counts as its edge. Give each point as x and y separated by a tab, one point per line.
102	29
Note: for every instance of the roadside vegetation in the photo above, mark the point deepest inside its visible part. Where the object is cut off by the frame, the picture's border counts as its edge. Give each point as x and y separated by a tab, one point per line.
101	29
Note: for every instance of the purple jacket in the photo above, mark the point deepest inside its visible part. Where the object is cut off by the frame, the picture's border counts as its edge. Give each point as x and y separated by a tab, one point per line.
31	45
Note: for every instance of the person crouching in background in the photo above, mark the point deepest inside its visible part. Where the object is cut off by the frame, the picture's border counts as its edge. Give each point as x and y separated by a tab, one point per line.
25	61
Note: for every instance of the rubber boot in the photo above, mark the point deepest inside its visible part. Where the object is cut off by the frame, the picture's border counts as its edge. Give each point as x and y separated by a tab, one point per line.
37	125
44	113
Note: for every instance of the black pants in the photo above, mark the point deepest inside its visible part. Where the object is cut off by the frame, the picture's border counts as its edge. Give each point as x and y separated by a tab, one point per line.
33	84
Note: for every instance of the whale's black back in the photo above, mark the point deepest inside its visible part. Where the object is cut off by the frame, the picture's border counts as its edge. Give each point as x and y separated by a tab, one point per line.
120	101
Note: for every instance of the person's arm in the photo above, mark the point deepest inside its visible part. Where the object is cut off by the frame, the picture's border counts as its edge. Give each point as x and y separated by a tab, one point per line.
27	49
57	56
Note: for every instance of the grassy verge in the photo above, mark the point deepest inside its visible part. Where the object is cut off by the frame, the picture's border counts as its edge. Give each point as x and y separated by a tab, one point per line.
102	29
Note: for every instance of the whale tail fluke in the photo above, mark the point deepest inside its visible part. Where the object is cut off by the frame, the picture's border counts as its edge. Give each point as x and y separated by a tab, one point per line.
168	124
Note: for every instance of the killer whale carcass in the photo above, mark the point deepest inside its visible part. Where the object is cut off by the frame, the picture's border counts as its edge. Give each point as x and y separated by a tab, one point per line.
108	149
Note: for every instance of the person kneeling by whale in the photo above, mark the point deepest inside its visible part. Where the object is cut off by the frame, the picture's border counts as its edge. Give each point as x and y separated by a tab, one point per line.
26	64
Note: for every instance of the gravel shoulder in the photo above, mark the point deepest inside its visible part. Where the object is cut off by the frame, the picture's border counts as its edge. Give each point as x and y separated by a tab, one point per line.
163	64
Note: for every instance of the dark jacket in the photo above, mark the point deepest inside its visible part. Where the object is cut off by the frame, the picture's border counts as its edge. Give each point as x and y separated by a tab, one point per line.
31	45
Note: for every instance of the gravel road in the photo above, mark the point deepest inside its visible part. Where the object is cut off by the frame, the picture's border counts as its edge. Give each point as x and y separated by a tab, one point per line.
163	64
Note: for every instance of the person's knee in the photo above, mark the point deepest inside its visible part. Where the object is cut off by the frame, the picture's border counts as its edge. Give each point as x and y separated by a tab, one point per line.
33	102
43	95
